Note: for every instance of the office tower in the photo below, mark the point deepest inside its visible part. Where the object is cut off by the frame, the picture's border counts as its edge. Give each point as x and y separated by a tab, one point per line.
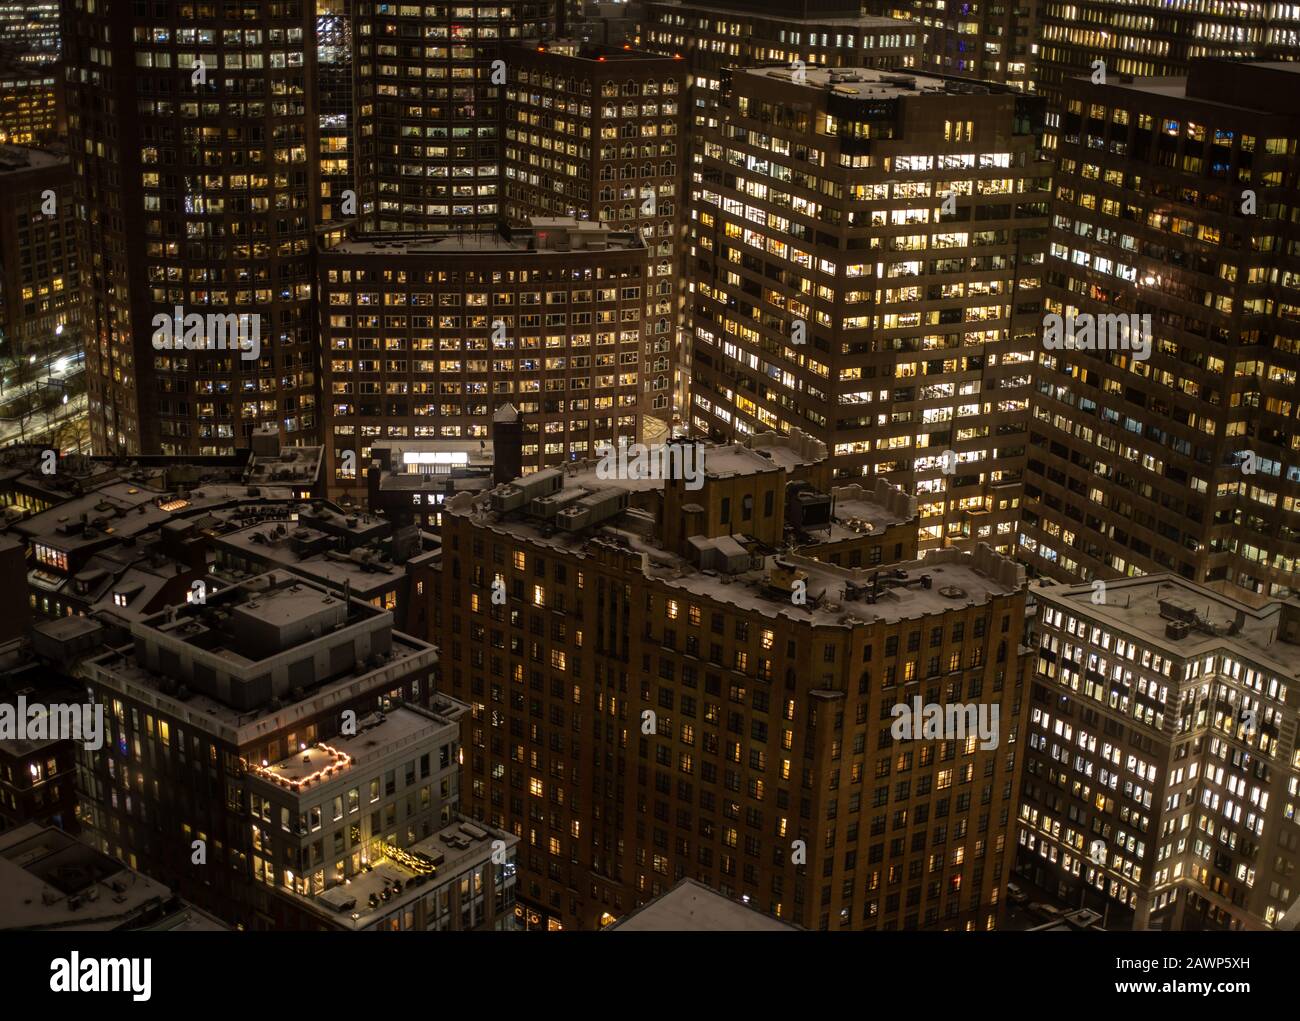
428	93
662	687
193	134
1161	770
995	42
714	39
597	132
1155	39
29	104
40	279
425	336
279	757
865	258
1172	201
29	30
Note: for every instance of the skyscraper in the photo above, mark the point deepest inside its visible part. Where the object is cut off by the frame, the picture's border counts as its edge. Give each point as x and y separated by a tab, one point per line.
1155	38
714	39
335	110
428	93
1173	200
865	261
29	30
193	135
598	132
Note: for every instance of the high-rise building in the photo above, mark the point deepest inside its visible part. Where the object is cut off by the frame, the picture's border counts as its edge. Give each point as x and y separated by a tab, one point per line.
597	133
425	336
278	756
1173	201
714	39
29	30
40	278
1161	768
662	687
193	136
865	261
29	104
991	42
428	93
1155	38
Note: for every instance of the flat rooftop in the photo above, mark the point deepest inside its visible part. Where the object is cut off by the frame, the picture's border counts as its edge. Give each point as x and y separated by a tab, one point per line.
292	466
285	544
794	17
869	83
378	736
126	509
522	241
577	49
690	906
860	511
218	634
50	880
17	159
398	879
1133	606
189	919
946	579
763	453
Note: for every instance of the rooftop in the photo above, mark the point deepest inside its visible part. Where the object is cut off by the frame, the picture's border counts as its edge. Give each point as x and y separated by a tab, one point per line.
19	159
868	83
403	875
793	17
1145	607
248	660
325	545
578	49
690	906
122	509
378	736
293	466
557	234
758	578
50	880
188	919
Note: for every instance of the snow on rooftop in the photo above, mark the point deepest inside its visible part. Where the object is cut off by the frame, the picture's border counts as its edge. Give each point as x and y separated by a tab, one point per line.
1133	607
690	906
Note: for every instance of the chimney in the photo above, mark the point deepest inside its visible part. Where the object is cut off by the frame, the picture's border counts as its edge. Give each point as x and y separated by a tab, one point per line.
507	444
